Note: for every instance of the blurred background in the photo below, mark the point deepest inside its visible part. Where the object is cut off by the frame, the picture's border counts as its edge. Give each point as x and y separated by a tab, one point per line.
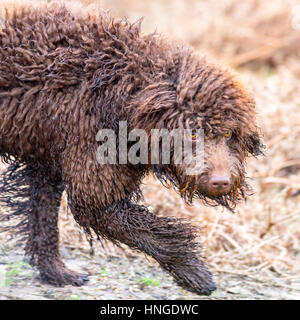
256	251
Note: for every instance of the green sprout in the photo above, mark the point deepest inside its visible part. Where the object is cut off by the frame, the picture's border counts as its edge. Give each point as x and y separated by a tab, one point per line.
149	282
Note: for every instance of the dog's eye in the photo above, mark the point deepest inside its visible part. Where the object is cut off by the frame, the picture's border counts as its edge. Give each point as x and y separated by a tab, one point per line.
228	134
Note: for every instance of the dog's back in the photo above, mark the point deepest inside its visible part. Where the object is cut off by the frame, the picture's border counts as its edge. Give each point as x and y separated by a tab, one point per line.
35	92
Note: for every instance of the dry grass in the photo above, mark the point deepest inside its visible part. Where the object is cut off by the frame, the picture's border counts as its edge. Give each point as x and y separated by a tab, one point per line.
262	240
237	32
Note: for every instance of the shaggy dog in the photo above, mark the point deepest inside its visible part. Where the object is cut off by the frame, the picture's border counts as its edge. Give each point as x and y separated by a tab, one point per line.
65	76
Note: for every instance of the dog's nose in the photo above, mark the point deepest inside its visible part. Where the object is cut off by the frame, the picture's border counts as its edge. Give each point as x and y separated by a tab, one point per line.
219	183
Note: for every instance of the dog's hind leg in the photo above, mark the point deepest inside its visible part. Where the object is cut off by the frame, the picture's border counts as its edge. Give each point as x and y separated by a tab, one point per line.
40	217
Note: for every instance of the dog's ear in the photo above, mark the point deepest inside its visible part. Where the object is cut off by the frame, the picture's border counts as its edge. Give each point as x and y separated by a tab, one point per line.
254	144
152	106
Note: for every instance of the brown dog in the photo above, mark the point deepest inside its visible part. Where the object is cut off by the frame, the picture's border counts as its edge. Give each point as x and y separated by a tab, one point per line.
63	77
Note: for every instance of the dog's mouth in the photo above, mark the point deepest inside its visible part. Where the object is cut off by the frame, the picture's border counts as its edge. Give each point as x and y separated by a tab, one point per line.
196	187
229	198
216	188
209	185
227	195
212	193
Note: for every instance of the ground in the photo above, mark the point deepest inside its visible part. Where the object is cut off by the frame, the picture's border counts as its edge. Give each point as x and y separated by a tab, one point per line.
254	253
120	275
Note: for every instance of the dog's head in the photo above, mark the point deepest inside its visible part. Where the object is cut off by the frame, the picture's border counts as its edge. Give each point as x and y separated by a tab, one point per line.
213	105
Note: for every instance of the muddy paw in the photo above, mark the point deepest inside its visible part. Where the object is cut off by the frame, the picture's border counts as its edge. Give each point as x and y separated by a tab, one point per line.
194	277
74	278
64	277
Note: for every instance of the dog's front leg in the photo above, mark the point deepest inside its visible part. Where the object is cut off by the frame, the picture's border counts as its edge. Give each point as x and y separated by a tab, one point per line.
170	241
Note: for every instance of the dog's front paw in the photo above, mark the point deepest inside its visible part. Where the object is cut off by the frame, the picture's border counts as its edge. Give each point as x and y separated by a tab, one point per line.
194	277
63	276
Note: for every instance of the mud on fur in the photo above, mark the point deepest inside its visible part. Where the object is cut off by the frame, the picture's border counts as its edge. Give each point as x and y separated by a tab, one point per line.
63	77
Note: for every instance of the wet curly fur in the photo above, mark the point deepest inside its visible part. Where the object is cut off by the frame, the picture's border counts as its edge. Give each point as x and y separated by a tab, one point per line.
64	76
